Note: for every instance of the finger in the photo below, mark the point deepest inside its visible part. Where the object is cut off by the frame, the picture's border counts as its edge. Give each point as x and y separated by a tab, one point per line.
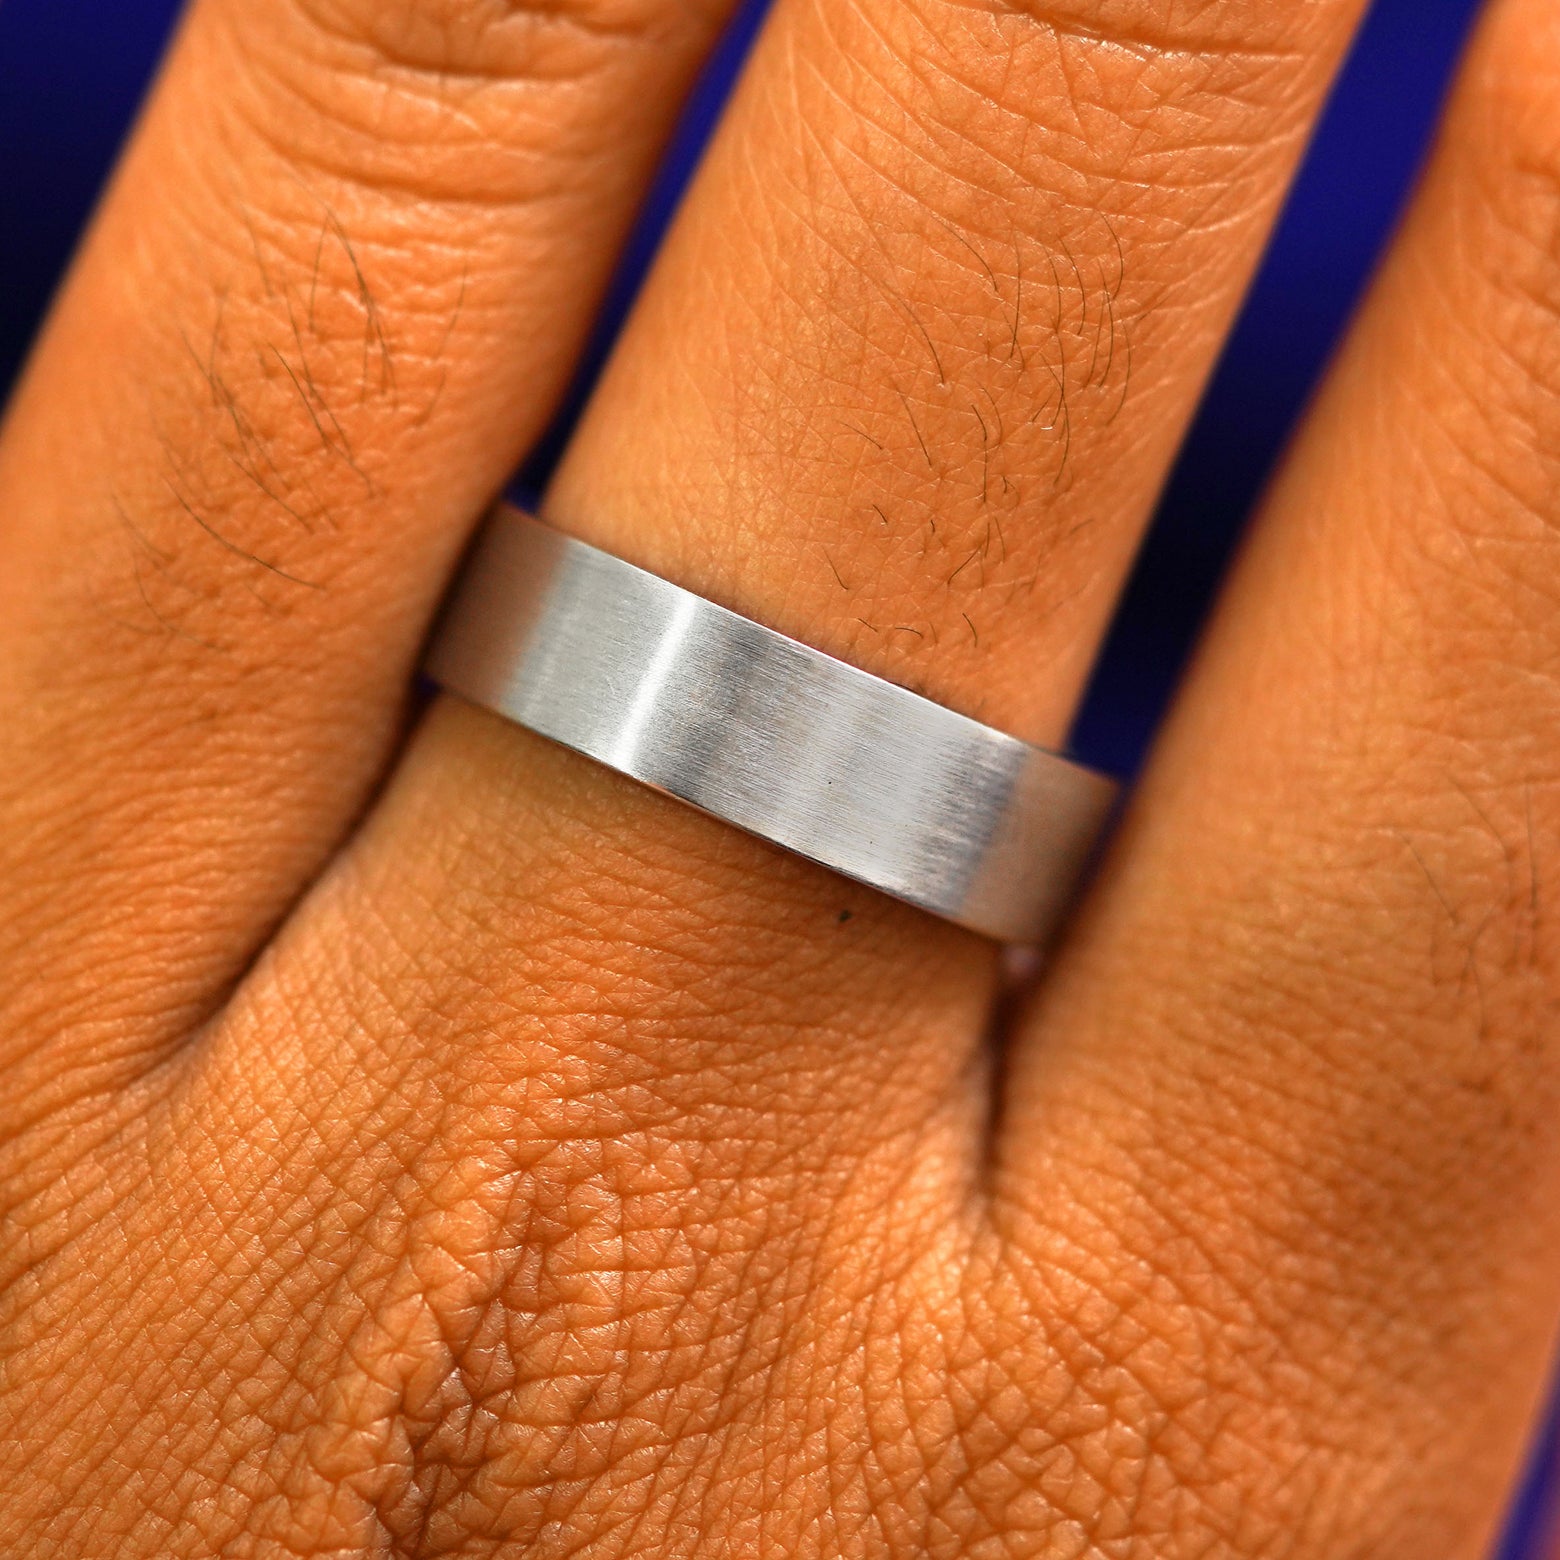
332	295
1294	1084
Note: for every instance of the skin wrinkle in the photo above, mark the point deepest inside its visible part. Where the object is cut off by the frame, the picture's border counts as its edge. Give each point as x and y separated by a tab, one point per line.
481	38
506	116
1237	29
1105	107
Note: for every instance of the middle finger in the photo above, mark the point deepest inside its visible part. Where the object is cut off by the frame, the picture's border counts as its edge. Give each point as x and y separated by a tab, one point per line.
904	385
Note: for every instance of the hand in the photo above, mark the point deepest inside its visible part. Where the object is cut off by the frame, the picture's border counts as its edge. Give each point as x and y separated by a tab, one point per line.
436	1145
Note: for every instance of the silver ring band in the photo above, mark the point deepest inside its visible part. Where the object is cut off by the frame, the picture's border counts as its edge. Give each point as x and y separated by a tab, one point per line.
768	734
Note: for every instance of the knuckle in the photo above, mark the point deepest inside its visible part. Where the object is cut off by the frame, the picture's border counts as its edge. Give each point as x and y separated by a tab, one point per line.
605	1257
1507	96
1114	92
1503	153
478	37
1205	1366
1502	160
552	1306
462	100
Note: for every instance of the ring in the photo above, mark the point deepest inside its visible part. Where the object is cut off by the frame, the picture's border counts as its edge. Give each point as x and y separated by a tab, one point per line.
779	739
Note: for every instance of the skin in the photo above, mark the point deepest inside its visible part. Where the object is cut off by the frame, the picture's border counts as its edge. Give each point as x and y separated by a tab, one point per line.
416	1141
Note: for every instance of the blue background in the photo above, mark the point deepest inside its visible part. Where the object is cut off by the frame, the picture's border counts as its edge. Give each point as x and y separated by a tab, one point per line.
72	71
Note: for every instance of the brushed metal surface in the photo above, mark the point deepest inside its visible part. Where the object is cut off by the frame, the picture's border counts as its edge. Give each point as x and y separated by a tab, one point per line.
768	734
